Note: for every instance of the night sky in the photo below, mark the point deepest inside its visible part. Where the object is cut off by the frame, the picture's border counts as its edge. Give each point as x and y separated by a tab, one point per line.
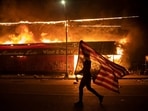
14	10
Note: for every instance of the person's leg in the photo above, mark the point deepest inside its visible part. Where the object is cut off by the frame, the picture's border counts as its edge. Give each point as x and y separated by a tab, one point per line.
81	86
88	86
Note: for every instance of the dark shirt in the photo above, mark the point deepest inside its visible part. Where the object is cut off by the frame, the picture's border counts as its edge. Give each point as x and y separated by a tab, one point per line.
86	69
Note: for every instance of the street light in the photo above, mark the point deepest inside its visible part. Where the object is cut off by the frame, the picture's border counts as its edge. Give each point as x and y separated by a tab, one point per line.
63	2
66	32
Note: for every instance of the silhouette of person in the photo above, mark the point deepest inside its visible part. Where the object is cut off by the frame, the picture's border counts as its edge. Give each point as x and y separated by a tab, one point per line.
86	80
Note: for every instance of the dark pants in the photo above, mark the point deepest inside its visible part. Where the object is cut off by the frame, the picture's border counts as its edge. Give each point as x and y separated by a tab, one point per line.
86	82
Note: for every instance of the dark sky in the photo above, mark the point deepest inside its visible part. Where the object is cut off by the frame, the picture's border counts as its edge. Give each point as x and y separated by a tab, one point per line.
14	10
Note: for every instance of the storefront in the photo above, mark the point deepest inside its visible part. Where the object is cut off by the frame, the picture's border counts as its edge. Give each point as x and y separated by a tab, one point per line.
45	58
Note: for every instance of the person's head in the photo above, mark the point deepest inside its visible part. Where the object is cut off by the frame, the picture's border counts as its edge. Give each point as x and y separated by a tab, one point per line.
85	53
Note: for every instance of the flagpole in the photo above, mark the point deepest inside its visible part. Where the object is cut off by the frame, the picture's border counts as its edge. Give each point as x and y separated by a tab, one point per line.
66	35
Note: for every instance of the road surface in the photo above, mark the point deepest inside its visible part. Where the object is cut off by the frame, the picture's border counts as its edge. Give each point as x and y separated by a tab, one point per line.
60	95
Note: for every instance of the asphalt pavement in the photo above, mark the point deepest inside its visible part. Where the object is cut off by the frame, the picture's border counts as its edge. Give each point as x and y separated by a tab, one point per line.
43	93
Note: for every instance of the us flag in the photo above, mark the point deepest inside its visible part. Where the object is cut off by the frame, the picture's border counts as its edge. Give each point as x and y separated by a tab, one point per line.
104	72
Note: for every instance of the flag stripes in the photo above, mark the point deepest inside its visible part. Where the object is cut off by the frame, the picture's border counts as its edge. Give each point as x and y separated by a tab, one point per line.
108	73
106	85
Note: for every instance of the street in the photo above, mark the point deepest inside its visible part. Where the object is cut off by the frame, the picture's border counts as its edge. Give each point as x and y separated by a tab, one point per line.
60	95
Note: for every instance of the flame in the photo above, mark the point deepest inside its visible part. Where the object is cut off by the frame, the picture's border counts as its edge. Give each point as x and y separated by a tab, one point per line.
119	51
114	58
124	41
23	35
45	39
26	36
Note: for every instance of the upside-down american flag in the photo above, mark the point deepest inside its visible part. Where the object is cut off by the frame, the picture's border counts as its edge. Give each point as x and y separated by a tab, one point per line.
104	72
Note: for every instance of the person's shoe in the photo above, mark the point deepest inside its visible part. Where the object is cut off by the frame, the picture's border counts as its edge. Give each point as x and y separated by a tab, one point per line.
78	104
101	99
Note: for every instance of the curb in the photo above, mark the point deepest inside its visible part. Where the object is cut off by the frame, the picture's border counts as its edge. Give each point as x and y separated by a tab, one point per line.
62	77
136	77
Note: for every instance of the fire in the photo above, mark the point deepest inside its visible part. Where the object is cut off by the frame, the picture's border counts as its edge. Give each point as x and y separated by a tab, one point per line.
45	39
120	47
23	35
123	41
119	51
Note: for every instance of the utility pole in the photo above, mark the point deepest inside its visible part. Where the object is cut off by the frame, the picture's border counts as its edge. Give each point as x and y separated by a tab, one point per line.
66	35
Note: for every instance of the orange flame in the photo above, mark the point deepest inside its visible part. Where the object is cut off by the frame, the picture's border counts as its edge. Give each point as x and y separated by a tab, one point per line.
23	36
45	39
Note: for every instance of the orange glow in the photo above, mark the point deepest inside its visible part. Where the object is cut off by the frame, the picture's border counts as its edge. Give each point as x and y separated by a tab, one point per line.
23	36
119	51
123	41
115	58
75	61
45	40
26	36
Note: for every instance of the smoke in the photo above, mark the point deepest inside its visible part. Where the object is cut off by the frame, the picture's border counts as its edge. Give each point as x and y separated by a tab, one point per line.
32	10
133	48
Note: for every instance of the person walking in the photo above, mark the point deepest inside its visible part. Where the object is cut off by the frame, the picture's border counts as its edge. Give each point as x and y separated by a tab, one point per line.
86	80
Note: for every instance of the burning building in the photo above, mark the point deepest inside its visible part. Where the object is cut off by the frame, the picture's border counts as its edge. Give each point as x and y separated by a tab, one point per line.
40	47
45	58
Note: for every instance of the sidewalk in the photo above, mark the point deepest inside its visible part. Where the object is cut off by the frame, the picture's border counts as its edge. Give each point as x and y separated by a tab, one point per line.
22	76
135	76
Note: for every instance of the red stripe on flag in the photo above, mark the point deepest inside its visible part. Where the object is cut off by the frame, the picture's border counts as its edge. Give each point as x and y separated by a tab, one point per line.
106	85
109	78
108	72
